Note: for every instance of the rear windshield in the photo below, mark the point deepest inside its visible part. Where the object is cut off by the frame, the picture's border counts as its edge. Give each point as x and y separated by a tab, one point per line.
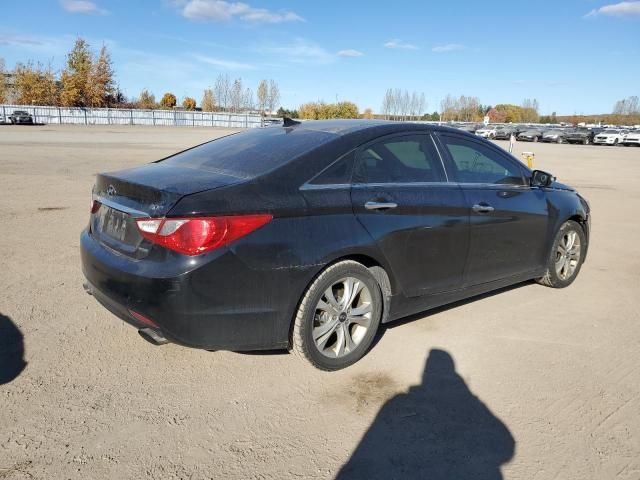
251	153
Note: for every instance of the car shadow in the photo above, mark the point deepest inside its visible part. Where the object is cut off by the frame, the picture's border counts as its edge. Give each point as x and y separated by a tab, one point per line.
11	350
438	430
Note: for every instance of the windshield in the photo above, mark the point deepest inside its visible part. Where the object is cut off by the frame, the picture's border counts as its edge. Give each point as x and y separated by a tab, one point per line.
611	131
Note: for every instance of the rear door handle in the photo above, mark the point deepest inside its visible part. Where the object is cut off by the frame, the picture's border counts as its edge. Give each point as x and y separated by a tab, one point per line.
478	208
380	205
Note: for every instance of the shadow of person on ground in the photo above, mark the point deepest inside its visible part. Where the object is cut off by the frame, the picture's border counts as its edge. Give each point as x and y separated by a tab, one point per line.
438	430
11	350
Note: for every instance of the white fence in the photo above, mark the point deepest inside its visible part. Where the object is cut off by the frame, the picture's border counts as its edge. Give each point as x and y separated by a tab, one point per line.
117	116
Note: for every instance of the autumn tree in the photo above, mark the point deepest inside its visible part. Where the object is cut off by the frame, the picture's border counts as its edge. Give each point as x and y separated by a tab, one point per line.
146	100
35	84
325	111
208	102
189	103
101	86
263	96
168	100
368	114
76	76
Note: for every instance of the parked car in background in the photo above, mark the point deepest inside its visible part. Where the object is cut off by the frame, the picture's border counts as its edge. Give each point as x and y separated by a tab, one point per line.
487	131
632	138
553	136
470	128
530	136
610	136
21	117
581	135
309	237
504	133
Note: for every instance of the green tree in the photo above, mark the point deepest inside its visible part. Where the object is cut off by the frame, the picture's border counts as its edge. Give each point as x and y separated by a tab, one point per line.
168	100
189	103
75	79
208	102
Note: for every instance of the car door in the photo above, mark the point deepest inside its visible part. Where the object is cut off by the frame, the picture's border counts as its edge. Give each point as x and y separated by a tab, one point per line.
508	219
417	218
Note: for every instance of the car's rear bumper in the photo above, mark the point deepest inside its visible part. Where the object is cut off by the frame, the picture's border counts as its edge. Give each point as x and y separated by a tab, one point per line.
220	305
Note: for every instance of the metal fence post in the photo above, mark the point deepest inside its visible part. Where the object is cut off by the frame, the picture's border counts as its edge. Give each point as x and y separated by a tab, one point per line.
153	117
59	116
85	116
130	116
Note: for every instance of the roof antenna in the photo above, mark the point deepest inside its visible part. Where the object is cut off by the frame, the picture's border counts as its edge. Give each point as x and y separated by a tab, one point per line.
288	122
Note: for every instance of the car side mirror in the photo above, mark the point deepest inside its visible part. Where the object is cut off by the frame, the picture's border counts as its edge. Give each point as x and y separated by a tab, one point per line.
541	179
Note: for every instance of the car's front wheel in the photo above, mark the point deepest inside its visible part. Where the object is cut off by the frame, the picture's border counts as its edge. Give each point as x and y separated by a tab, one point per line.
567	256
338	316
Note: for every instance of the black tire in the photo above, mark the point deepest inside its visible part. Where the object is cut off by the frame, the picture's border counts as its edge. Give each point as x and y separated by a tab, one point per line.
615	143
302	341
551	277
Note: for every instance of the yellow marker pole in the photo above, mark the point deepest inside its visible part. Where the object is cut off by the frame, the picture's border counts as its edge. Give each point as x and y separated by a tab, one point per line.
529	157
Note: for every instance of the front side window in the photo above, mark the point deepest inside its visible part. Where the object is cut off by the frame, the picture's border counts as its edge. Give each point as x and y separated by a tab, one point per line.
476	163
405	159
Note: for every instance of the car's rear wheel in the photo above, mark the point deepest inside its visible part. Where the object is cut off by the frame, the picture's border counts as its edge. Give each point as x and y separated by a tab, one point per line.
567	256
338	316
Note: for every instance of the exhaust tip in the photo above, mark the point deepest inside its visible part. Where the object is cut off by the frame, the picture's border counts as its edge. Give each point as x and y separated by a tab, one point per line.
153	336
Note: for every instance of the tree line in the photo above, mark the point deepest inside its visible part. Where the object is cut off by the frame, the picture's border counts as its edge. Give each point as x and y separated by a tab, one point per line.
88	80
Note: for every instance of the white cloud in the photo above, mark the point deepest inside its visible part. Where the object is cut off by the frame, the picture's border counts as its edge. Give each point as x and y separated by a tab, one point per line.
396	43
298	51
82	6
18	41
223	11
622	9
449	47
350	53
226	64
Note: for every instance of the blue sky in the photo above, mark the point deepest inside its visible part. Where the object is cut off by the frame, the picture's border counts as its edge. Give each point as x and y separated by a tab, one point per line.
574	56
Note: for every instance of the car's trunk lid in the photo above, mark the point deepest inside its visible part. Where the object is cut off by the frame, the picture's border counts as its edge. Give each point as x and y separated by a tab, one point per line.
147	191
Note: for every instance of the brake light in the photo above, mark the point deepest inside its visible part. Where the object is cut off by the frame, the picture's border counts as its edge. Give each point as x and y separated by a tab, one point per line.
95	206
142	319
193	236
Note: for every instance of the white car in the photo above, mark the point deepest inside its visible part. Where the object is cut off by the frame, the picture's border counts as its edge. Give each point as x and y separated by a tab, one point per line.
610	137
487	132
632	138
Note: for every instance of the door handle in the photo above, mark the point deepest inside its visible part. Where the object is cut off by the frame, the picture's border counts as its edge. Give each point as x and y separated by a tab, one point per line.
479	208
380	205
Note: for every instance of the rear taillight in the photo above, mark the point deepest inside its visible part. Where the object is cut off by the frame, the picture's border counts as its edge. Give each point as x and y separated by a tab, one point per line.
95	206
193	236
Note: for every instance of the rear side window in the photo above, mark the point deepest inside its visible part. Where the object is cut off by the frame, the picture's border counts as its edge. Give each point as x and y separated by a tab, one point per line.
404	159
339	173
475	163
252	152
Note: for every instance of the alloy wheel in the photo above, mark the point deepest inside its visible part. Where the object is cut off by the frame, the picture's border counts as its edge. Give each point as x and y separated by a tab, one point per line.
342	317
568	255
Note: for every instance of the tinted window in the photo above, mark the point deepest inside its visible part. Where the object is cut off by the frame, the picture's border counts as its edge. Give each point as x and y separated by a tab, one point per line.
252	152
399	160
476	163
337	173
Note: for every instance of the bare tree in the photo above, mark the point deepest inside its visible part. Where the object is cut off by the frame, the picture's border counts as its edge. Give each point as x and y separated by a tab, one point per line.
263	96
247	100
221	91
236	95
274	96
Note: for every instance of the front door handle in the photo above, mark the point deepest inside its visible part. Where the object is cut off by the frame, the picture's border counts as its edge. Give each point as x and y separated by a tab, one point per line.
480	208
380	205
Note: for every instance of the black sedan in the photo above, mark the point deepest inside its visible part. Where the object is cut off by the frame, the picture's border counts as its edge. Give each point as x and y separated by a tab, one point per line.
309	236
21	117
530	135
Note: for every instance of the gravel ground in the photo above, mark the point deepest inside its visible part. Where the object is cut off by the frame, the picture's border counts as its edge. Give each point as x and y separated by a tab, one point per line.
531	382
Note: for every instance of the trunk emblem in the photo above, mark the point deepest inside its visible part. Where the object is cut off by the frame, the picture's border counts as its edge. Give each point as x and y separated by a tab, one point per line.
111	190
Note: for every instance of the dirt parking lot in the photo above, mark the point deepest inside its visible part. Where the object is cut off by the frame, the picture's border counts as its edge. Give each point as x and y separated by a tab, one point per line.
531	382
